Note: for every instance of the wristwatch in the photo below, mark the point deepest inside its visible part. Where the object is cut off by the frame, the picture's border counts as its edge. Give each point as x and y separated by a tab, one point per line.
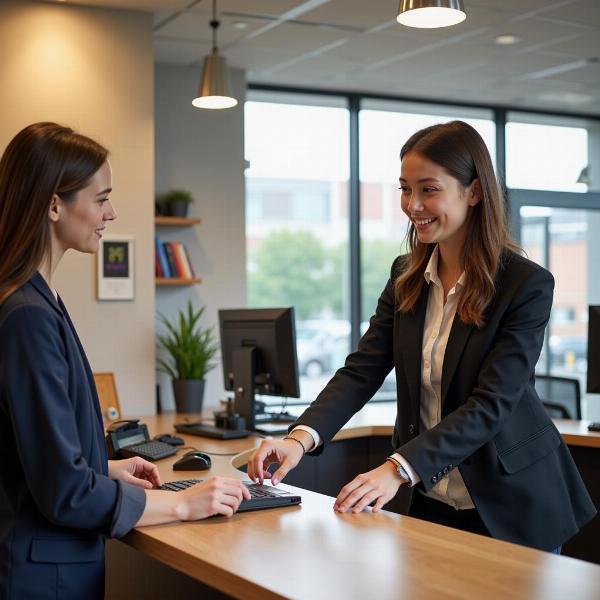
400	469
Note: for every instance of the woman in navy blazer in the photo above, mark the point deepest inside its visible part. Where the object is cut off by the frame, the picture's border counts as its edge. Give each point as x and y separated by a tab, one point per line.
462	321
59	495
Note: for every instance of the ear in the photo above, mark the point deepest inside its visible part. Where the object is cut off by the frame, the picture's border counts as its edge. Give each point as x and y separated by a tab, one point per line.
475	193
54	209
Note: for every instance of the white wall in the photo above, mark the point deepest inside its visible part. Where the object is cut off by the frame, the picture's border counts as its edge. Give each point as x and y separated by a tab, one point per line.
92	69
203	151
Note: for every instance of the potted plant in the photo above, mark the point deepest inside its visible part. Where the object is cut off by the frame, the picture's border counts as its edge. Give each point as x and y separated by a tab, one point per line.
176	202
190	352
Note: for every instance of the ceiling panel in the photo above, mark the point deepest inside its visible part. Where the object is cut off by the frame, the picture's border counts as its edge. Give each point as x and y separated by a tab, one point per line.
532	31
256	59
273	8
295	38
196	26
354	13
582	11
148	5
586	45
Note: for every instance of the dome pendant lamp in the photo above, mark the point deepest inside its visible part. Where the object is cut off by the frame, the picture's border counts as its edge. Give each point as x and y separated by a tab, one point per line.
214	91
429	14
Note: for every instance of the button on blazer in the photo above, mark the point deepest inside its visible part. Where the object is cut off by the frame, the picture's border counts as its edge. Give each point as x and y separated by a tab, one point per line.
57	503
494	428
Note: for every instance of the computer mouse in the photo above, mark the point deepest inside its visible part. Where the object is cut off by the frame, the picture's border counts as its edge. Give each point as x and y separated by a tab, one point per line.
167	438
193	461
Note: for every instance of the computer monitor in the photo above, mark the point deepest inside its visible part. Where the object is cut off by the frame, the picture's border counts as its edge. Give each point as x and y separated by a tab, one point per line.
258	351
593	351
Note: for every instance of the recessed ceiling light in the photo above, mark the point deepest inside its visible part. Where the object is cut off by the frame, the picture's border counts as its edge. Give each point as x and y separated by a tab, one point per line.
240	24
507	39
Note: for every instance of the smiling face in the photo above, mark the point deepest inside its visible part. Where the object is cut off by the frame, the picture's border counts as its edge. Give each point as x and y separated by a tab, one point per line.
79	223
435	202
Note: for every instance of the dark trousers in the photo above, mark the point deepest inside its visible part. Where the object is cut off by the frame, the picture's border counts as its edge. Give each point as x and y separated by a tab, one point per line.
435	511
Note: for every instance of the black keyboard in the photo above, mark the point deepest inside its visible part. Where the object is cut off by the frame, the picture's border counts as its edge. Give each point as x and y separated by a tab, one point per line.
177	486
256	490
261	496
204	430
151	451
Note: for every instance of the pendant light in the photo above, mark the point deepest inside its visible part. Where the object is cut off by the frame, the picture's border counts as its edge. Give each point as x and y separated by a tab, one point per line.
429	14
214	91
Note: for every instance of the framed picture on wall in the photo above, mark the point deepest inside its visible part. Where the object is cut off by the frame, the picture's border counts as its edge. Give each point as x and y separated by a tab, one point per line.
115	268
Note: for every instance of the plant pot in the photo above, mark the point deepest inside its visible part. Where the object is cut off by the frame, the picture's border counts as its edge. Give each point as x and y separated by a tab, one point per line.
189	395
178	209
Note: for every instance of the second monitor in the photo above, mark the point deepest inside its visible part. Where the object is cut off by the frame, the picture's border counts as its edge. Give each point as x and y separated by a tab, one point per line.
258	350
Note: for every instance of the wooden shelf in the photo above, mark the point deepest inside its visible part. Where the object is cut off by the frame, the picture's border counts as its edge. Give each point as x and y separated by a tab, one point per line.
177	281
177	221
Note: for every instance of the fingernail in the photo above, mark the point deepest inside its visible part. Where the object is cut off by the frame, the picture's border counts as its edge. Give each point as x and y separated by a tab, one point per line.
274	481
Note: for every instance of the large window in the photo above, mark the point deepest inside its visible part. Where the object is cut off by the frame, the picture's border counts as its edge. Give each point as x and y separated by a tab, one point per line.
308	170
545	153
297	223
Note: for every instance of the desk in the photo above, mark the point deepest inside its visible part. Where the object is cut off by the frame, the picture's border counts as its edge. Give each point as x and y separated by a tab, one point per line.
311	552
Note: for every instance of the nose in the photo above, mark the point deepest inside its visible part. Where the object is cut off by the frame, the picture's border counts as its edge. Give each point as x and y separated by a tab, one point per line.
414	203
110	214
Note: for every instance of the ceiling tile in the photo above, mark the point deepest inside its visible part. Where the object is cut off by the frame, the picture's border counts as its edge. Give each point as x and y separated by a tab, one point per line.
586	45
195	26
354	13
273	8
586	12
295	38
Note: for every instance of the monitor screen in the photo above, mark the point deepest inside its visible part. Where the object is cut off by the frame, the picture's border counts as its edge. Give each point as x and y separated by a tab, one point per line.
272	332
593	351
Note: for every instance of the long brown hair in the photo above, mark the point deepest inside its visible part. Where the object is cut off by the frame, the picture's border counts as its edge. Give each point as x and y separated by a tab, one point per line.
460	150
41	160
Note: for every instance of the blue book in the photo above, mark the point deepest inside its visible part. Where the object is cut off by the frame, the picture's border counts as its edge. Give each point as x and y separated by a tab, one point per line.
162	257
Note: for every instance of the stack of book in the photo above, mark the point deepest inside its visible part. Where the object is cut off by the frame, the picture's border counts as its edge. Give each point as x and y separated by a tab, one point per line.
172	260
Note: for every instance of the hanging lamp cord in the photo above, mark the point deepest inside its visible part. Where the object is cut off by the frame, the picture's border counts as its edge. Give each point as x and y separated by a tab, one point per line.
214	24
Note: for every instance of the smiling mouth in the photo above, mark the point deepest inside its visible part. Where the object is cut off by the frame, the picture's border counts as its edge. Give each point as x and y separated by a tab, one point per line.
424	222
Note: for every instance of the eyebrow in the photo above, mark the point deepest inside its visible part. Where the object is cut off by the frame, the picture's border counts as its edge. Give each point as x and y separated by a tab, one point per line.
422	180
106	191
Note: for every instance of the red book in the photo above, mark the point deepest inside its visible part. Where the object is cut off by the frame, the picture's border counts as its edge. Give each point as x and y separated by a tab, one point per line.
181	260
179	268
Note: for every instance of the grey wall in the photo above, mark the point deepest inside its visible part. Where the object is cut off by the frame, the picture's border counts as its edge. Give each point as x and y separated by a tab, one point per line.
92	69
203	151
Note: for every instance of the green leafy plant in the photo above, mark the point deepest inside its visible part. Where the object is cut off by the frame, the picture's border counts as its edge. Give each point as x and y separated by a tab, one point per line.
174	196
191	349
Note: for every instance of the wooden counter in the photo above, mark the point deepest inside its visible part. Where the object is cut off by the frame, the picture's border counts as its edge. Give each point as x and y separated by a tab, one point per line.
309	551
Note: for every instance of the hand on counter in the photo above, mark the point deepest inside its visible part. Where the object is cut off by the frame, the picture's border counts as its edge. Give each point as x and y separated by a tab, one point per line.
286	453
135	471
379	485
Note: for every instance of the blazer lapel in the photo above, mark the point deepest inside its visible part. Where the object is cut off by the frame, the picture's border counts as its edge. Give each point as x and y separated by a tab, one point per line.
411	333
459	334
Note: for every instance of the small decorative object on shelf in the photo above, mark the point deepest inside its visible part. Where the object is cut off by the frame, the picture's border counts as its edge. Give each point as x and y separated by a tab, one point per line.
175	203
191	350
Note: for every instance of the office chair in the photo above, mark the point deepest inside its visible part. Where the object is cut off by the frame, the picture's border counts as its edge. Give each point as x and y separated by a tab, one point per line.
560	395
107	394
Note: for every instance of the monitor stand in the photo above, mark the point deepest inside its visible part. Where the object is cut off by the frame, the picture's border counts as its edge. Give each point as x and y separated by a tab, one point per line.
244	387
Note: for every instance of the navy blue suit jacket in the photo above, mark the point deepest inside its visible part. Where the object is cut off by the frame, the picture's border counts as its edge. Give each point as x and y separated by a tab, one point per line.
57	503
494	428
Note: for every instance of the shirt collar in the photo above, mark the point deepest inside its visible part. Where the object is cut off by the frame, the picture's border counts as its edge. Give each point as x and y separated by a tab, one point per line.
431	271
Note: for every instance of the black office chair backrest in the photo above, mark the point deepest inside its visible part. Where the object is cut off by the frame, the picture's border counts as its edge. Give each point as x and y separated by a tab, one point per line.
561	396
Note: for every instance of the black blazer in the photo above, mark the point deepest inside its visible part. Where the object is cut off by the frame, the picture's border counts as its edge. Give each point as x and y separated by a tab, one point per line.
57	503
494	428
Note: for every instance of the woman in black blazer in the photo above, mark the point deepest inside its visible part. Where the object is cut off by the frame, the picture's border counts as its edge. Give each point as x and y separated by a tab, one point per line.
59	495
461	320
